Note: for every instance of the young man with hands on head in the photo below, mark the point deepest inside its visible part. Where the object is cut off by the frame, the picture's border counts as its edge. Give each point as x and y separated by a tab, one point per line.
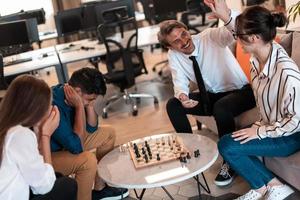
78	133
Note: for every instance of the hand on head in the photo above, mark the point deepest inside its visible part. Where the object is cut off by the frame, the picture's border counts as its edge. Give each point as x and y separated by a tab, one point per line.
49	125
72	97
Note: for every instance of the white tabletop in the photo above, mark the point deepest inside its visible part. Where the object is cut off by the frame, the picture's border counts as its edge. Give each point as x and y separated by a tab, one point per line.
117	169
37	62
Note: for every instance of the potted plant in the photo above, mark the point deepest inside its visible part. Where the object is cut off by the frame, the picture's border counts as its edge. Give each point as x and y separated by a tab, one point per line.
294	11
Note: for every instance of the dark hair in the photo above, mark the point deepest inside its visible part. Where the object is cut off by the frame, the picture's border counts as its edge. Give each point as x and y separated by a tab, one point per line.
259	20
89	80
166	27
25	103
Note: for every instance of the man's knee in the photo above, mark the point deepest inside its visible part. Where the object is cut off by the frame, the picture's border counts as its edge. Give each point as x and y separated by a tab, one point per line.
88	161
220	109
172	104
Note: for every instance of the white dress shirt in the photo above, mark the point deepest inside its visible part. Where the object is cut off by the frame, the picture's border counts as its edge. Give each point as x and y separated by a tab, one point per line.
220	70
277	89
23	167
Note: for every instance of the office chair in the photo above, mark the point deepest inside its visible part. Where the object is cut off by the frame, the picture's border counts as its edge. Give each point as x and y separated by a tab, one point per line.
3	85
195	8
124	62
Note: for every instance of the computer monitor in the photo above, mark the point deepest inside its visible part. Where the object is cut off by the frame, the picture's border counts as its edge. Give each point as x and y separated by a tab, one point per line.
13	33
39	14
32	29
164	7
68	21
106	5
89	17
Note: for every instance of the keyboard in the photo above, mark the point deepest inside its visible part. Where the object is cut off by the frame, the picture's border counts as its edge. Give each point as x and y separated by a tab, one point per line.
14	62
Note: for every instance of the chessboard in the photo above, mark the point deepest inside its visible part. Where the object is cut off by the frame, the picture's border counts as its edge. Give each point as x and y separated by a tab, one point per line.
155	150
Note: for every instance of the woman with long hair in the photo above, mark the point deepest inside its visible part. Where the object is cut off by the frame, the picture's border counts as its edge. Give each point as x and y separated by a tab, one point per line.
275	81
25	156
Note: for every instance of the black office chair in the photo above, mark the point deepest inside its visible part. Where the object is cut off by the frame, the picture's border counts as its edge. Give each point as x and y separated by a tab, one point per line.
3	85
195	8
124	62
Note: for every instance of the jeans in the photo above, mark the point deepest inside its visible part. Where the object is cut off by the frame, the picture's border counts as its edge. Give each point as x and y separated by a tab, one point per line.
224	107
243	157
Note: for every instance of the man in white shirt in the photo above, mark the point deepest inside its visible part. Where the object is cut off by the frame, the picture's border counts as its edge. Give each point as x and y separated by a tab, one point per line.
226	92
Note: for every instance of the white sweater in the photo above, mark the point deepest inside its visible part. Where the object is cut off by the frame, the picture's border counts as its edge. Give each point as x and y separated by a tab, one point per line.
23	167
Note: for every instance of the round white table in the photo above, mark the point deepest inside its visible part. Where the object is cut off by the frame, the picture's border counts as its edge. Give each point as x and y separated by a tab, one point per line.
117	169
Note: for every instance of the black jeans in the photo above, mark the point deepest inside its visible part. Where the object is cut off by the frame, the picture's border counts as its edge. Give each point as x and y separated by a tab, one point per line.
223	106
64	188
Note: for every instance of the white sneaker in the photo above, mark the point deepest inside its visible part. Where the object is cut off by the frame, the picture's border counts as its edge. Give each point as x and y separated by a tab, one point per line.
278	192
251	195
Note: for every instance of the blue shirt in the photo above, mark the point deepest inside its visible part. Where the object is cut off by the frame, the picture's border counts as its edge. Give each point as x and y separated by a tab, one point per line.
64	138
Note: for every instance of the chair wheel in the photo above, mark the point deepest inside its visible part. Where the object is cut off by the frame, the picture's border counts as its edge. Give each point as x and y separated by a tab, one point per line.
160	73
104	115
134	113
155	100
154	69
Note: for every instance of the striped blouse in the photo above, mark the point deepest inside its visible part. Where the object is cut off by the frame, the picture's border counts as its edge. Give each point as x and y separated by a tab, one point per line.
277	92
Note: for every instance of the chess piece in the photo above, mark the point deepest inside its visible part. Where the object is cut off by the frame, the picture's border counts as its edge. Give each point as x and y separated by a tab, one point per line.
188	156
146	158
197	153
157	157
143	151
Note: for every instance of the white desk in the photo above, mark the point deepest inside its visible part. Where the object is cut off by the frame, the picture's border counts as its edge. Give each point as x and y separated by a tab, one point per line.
37	62
146	36
117	169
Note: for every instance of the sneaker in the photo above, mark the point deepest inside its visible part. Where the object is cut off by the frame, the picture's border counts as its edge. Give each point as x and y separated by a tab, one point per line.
110	193
251	195
225	176
278	192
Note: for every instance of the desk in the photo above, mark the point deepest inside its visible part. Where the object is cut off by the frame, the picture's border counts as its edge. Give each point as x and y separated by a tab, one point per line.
37	62
72	52
117	169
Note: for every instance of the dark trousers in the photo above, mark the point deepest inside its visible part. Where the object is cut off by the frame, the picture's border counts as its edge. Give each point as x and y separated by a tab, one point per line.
64	188
223	106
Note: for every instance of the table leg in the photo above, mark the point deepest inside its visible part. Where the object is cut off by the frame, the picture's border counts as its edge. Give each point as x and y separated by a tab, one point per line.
141	195
166	191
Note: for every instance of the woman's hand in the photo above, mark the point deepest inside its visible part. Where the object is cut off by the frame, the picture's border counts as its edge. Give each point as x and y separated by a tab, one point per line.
48	126
245	135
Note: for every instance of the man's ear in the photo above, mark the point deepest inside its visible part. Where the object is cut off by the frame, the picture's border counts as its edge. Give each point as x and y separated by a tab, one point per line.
78	90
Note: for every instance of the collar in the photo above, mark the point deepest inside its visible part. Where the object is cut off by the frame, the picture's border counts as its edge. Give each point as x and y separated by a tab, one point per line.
270	64
196	50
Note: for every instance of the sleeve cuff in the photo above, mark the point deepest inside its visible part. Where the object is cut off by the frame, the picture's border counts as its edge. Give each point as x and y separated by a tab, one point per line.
261	132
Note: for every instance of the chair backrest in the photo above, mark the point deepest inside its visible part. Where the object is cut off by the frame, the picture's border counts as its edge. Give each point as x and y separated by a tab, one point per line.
122	54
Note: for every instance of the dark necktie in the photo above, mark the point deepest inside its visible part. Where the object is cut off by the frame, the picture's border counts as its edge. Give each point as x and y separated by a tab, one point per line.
203	93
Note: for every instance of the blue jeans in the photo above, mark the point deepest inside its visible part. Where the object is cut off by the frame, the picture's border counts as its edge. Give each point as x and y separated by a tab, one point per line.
243	157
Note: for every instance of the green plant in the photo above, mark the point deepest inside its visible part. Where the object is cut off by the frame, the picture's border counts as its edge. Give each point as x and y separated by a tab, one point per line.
294	11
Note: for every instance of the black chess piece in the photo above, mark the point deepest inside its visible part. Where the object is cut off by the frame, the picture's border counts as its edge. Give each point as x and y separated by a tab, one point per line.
146	158
197	153
188	156
143	151
157	157
184	159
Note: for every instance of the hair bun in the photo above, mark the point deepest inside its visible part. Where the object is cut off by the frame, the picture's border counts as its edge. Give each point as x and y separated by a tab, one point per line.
279	19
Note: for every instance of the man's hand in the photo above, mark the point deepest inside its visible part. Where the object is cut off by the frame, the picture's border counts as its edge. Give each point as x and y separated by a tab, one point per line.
219	8
186	101
245	135
48	126
72	97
